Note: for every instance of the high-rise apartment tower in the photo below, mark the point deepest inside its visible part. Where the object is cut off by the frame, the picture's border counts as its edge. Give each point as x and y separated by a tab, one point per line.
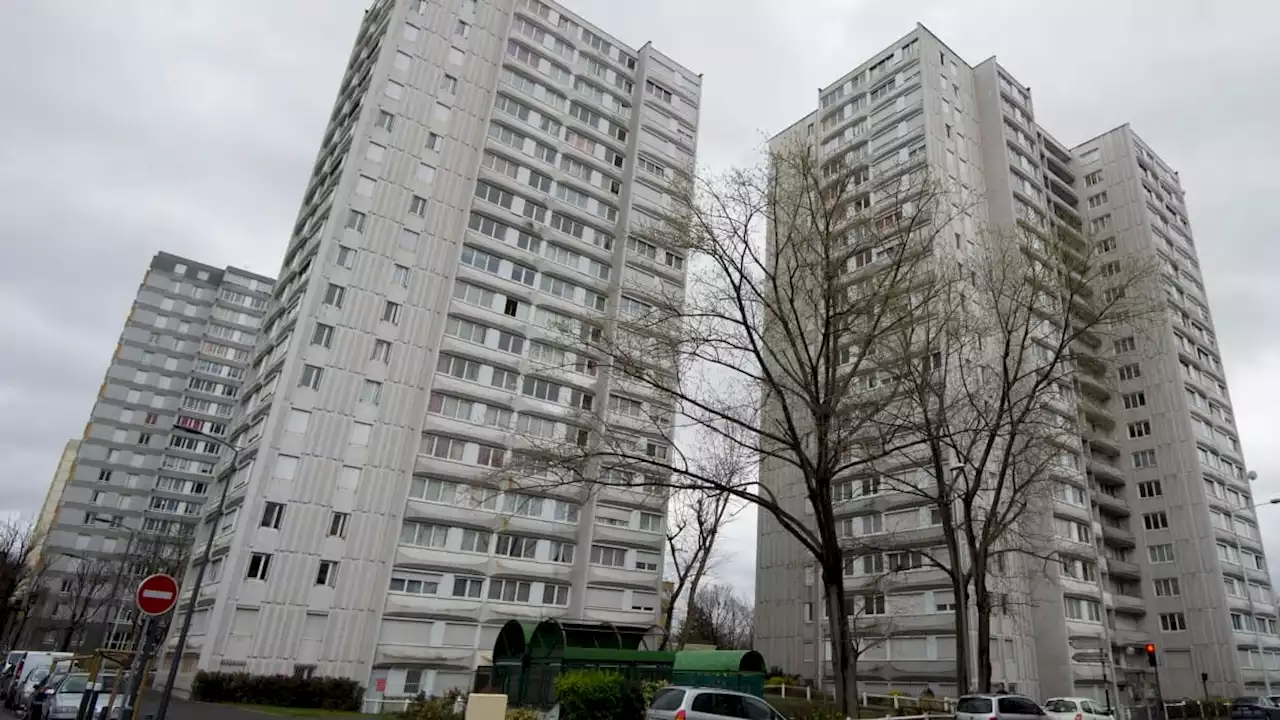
133	492
471	198
1156	541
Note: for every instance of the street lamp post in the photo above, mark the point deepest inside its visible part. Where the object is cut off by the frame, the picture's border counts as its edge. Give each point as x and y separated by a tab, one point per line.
1253	618
176	661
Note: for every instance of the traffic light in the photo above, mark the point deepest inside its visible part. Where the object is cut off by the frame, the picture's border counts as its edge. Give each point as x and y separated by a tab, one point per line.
1151	654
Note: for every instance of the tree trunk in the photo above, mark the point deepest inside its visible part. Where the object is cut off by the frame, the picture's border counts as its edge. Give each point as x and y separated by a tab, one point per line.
65	645
843	675
690	601
961	590
982	601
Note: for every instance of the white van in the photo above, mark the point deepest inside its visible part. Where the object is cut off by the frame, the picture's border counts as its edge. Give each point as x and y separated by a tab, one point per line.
30	661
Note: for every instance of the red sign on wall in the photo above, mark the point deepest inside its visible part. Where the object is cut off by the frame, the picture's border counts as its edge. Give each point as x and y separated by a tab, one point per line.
381	685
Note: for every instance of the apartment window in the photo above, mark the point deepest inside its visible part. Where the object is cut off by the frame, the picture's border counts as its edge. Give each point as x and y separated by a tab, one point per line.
1097	201
449	85
1155	521
327	573
1107	244
355	221
371	392
468	587
1129	372
346	257
259	565
426	173
1093	178
1160	553
509	590
334	295
322	335
1173	622
434	141
310	377
381	351
873	605
1150	489
338	522
1134	400
272	514
418	206
608	556
385	120
555	594
1125	344
1167	587
1143	459
562	552
1142	428
391	313
1100	223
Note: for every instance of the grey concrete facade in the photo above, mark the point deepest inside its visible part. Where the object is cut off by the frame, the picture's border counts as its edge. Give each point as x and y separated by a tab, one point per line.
918	102
135	487
473	192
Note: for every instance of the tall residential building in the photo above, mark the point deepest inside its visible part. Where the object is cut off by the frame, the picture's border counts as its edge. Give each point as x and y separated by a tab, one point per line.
1155	538
471	198
52	499
135	487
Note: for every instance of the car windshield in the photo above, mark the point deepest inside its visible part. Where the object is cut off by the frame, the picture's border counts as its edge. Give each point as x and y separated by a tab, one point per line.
1058	705
974	705
1251	700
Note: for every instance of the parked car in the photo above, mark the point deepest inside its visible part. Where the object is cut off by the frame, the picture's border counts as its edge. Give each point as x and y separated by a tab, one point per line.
24	690
35	707
996	706
64	702
1254	707
688	703
1076	708
29	663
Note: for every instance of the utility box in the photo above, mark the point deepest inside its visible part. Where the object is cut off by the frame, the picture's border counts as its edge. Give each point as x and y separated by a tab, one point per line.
482	706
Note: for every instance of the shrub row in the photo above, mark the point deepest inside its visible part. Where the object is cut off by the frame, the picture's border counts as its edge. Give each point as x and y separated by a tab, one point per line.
280	690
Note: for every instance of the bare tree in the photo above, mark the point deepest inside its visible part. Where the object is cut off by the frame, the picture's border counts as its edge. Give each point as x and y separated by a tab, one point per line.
797	275
17	542
717	616
83	594
1017	323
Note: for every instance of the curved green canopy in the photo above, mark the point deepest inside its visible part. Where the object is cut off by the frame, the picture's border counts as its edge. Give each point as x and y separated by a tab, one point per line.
719	661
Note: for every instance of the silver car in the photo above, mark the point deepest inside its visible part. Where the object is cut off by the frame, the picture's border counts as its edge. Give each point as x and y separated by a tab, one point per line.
689	703
64	703
998	706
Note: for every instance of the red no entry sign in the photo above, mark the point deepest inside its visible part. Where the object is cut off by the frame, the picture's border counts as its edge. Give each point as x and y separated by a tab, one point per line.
157	594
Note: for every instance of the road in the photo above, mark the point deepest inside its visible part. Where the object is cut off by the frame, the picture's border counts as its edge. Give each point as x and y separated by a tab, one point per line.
182	710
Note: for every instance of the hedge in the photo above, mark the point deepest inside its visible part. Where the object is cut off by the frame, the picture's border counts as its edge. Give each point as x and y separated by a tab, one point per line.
599	695
279	690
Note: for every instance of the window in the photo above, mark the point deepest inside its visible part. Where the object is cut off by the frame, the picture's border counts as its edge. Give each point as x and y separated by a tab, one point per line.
1150	489
449	85
1107	244
385	120
1143	459
334	295
468	587
1134	400
365	185
310	377
434	141
555	595
509	590
259	565
1155	521
1129	372
1097	201
412	676
873	605
1160	553
272	514
1100	223
418	206
338	522
356	220
327	573
426	173
516	547
1093	178
441	113
371	392
391	313
608	556
346	257
400	275
455	56
381	351
322	335
410	32
1125	344
1142	428
1167	587
423	534
562	552
1173	622
650	522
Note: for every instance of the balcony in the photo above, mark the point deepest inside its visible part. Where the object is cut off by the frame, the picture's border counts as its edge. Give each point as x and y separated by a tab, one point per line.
1129	604
1118	536
1103	468
1123	568
1112	504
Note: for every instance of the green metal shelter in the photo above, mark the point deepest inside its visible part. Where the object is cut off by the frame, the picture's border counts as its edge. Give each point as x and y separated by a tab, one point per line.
741	670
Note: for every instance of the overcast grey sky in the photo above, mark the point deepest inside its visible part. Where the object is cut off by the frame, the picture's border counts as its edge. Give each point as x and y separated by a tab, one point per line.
134	126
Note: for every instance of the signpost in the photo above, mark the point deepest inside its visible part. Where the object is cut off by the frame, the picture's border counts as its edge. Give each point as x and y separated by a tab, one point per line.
157	594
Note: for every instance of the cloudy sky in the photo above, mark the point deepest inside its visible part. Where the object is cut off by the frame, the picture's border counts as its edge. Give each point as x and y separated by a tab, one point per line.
132	126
